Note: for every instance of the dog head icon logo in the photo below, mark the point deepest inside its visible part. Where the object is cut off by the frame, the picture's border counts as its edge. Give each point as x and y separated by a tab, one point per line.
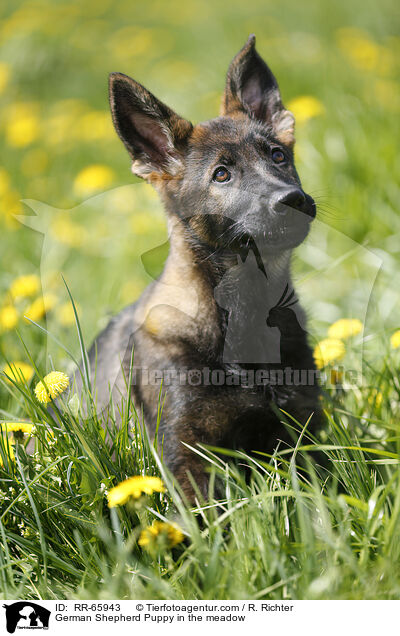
26	615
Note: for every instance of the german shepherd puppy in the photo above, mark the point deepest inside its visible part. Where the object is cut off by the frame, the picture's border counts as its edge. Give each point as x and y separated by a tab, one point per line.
222	327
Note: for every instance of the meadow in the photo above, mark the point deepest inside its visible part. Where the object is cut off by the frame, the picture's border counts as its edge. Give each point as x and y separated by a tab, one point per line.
75	224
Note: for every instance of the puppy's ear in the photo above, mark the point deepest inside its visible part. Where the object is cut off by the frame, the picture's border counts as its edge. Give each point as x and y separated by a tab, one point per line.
252	88
153	134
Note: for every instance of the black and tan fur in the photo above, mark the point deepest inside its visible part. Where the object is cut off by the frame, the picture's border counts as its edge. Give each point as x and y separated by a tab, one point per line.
214	227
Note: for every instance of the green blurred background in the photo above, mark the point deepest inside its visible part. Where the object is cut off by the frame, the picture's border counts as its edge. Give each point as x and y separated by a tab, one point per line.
337	65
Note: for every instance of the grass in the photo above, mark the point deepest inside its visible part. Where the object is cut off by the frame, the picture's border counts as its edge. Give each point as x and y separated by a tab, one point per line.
291	530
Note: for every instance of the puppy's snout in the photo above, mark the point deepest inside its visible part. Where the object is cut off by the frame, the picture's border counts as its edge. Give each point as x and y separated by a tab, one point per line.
295	199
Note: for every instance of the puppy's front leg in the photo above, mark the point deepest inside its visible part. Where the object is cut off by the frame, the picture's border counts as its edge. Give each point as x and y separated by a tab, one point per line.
193	416
185	464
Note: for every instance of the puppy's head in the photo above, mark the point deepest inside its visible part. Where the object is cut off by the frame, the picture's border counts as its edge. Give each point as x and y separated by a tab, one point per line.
232	179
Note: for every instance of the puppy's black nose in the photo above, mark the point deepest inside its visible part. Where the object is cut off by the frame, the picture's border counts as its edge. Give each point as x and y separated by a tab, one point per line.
296	200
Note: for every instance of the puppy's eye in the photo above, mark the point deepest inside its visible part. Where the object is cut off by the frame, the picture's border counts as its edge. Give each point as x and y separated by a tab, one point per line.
278	156
221	174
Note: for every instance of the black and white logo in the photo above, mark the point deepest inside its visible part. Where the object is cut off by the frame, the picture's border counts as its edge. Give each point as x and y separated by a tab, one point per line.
26	615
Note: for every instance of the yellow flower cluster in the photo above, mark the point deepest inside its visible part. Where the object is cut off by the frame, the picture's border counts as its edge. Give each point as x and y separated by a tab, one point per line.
332	349
25	286
160	536
93	179
375	398
22	125
134	488
363	52
10	447
22	289
345	328
305	107
19	371
395	339
53	385
70	121
8	318
38	131
18	429
40	307
65	122
327	351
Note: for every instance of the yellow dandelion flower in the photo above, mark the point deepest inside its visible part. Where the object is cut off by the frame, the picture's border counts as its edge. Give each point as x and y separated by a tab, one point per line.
160	536
358	47
18	371
9	449
328	350
8	318
40	307
93	179
4	75
395	339
305	107
17	427
134	487
375	398
22	127
53	385
345	328
25	286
